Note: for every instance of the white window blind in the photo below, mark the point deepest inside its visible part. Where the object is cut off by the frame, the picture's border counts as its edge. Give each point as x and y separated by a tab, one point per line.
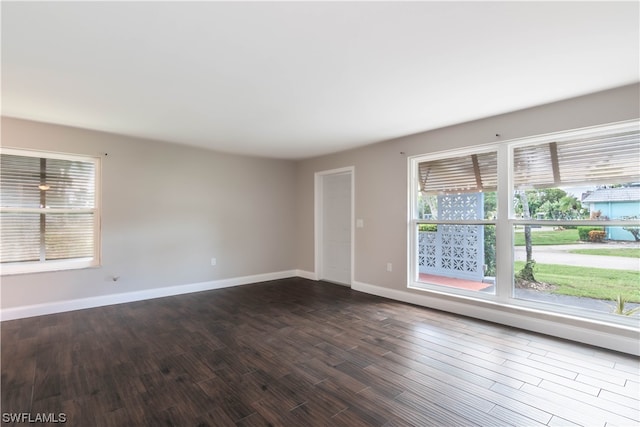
465	174
48	209
605	159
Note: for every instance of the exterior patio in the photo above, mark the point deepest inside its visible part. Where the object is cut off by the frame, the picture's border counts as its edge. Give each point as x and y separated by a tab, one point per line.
452	282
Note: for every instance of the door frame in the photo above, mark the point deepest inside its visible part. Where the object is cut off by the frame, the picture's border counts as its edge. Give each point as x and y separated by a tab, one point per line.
318	218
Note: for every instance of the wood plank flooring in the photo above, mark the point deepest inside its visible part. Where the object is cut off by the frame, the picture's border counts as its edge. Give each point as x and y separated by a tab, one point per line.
295	352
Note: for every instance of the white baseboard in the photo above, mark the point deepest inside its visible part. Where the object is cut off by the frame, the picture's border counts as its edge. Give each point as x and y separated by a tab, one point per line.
614	337
581	330
99	301
307	274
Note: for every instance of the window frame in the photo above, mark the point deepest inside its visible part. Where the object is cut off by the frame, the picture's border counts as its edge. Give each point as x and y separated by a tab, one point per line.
414	222
26	267
504	223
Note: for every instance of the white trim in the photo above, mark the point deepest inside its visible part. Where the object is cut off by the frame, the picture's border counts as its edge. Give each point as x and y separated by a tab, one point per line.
578	222
99	301
504	229
318	219
614	337
47	210
591	131
458	221
307	274
455	152
580	330
49	154
14	269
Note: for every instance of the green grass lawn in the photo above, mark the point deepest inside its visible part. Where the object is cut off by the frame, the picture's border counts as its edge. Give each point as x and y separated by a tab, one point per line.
623	252
588	282
548	237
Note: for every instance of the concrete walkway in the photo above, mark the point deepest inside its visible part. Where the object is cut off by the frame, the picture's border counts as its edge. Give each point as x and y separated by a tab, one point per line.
559	254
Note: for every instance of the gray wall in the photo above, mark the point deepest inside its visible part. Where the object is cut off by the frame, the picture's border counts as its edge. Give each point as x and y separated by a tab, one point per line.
167	209
381	194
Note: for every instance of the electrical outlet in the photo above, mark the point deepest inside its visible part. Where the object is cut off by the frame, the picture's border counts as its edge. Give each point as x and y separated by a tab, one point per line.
389	266
214	261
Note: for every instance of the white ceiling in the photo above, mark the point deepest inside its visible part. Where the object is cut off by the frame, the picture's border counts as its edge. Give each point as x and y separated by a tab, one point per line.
300	79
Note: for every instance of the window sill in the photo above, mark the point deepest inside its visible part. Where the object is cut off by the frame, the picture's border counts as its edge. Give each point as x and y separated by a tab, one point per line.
565	315
47	266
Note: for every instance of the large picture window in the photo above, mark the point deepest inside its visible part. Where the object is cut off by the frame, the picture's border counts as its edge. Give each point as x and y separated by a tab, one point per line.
49	216
576	216
568	226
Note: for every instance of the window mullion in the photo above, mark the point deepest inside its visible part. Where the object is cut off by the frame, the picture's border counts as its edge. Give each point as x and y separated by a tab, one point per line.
43	204
504	252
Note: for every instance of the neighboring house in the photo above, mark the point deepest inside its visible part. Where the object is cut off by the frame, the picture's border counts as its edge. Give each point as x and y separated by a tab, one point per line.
615	203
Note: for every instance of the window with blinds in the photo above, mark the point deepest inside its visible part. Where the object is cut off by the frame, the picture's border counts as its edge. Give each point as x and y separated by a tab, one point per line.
602	160
48	211
472	173
580	185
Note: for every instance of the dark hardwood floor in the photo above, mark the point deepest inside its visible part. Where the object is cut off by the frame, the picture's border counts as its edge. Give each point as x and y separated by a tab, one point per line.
295	352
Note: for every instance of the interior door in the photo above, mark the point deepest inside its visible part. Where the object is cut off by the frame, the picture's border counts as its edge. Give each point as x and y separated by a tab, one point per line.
336	228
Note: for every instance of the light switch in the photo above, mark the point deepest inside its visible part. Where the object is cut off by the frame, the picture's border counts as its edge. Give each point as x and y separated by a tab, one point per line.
359	223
